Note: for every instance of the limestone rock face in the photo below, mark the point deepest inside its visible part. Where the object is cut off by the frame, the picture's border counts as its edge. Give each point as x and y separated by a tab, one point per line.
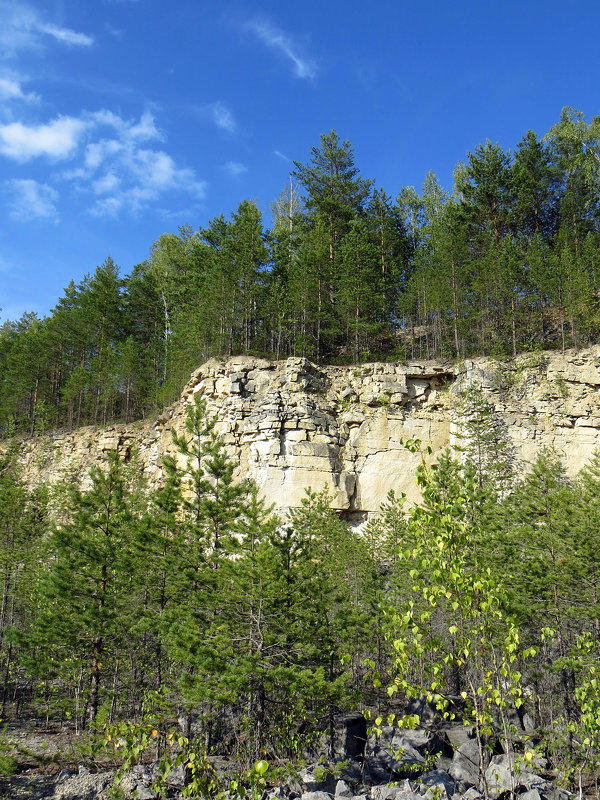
291	425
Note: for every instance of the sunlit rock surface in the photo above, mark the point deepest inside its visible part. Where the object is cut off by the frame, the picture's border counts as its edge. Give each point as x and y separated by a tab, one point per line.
291	425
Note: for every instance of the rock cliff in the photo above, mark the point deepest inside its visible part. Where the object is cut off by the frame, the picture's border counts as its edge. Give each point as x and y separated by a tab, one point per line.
291	424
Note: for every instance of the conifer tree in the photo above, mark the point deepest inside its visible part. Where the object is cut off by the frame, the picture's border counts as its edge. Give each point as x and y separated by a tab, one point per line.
388	237
335	194
483	441
249	255
587	526
22	521
361	290
197	629
574	145
544	561
102	309
533	187
321	630
84	590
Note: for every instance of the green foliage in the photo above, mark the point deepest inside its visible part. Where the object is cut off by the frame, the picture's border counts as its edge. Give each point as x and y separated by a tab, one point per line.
585	729
452	633
83	591
483	442
8	759
506	263
131	743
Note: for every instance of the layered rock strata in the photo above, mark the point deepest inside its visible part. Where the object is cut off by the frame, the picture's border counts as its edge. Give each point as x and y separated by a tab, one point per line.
291	425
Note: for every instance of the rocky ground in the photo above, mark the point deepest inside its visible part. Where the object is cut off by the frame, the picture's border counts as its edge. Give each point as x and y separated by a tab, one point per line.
437	763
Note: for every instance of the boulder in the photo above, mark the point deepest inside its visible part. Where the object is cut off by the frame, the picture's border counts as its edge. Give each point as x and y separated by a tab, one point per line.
400	753
439	781
84	786
501	776
465	766
343	791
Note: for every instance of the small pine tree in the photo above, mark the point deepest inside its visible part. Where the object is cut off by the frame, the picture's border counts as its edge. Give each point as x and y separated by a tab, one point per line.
83	594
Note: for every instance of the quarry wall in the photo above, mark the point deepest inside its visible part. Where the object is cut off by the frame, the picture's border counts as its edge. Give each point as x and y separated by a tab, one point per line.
292	424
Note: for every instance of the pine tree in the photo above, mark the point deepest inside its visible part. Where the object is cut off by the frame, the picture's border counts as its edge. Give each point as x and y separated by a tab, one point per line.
102	310
360	293
323	630
22	520
285	306
388	237
335	194
587	526
197	629
84	590
574	145
544	574
249	256
486	191
532	183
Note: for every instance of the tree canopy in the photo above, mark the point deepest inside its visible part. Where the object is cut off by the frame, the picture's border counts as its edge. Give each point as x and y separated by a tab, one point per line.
505	261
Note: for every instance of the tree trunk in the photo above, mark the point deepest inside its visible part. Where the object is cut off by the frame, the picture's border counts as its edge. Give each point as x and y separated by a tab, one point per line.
95	680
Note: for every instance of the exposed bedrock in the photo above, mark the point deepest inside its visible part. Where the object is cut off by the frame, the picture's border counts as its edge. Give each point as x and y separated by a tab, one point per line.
291	425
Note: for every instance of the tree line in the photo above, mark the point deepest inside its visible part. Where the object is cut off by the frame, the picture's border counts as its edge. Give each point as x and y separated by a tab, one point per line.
506	262
121	605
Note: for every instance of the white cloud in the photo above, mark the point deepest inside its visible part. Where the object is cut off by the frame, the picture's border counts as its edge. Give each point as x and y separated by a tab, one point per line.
277	39
11	89
143	130
32	200
22	27
234	168
60	138
66	35
280	155
220	114
110	160
17	28
123	174
106	184
56	140
97	152
138	177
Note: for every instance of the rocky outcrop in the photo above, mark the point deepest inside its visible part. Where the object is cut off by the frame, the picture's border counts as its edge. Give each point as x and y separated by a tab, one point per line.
291	424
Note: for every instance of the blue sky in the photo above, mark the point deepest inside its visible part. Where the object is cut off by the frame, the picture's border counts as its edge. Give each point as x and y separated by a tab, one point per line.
122	119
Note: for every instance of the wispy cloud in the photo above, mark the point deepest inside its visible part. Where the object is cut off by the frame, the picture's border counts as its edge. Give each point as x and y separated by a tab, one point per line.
280	155
32	200
277	39
57	139
11	89
220	114
142	131
138	178
235	168
123	173
16	28
116	32
66	35
22	27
